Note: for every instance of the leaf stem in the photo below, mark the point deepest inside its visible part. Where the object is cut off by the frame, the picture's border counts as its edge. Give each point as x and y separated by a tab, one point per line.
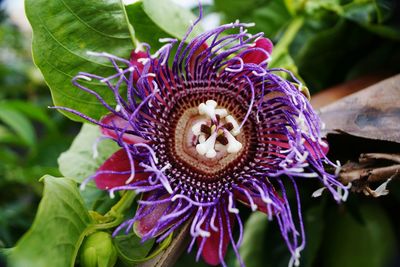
282	46
130	27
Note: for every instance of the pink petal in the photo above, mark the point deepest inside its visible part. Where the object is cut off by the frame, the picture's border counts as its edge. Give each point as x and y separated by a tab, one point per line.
210	252
257	200
118	162
196	58
257	56
261	205
283	142
136	55
116	121
136	62
148	222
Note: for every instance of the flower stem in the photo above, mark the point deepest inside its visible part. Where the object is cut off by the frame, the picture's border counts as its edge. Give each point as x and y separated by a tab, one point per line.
124	203
117	211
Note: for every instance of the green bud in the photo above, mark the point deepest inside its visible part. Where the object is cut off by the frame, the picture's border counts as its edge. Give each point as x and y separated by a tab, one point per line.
98	251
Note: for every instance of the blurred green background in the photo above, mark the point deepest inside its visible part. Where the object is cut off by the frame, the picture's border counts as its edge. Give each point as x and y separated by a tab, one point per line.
325	42
31	136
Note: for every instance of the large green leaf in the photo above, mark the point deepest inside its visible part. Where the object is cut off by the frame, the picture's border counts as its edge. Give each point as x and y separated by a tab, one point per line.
63	33
78	162
145	29
60	225
132	250
271	19
154	19
235	9
170	17
334	50
374	15
130	247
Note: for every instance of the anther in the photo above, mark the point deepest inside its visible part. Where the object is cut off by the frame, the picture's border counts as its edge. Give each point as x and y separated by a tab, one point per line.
222	139
205	129
228	126
235	130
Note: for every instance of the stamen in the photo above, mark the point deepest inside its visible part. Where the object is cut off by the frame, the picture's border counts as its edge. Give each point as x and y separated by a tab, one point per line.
235	131
222	130
205	129
234	145
222	139
221	112
207	148
228	126
202	138
196	128
208	109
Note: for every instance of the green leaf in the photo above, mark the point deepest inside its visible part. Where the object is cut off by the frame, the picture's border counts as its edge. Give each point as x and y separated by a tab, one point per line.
271	19
60	225
130	247
78	161
132	251
238	9
171	17
98	200
154	19
63	33
281	57
373	16
18	123
353	244
334	51
252	248
145	29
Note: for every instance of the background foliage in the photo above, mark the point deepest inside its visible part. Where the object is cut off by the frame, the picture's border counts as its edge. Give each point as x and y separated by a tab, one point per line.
325	42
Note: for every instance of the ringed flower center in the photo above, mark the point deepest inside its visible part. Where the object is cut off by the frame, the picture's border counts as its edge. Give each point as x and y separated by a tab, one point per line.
201	137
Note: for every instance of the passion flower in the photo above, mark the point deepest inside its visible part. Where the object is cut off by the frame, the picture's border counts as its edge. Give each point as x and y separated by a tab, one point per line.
204	127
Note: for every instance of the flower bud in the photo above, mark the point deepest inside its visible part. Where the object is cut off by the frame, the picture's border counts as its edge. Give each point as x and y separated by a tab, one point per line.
98	251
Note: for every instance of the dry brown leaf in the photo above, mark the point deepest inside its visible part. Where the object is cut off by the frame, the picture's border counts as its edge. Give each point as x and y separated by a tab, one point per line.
372	113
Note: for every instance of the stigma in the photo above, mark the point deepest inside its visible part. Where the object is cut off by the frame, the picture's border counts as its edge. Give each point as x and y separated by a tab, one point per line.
216	131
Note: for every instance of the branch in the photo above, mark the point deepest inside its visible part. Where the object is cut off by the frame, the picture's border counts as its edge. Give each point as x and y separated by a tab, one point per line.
370	169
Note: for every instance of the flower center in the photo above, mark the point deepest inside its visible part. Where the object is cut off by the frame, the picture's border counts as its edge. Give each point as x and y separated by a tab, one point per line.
203	137
216	132
198	133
